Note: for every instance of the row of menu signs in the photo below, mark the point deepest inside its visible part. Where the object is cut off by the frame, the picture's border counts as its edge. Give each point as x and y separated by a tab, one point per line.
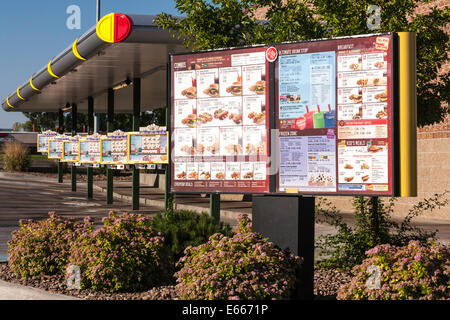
149	145
329	118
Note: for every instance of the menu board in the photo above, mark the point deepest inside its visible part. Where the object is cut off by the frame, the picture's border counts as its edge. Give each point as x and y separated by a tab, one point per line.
114	149
71	151
148	146
42	140
55	147
219	117
334	116
90	149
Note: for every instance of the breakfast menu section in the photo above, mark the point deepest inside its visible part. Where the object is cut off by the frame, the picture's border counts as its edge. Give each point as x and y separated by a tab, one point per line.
219	121
334	116
364	131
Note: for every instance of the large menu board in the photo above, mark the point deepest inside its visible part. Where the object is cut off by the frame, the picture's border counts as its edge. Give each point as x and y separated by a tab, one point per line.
329	103
334	116
219	117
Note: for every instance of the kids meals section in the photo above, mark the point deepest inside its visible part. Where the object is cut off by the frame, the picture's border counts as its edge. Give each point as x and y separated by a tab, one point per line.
334	116
219	117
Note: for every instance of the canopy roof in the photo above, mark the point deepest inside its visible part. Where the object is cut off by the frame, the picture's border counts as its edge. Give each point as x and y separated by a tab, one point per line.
118	48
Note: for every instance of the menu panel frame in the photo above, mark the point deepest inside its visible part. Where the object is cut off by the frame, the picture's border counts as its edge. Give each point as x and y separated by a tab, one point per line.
315	130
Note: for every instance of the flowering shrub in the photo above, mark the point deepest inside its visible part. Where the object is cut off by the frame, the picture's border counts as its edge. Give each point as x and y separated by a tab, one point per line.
410	272
124	255
41	247
244	266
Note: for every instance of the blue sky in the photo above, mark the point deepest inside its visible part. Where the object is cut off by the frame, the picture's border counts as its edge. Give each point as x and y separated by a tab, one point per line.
33	32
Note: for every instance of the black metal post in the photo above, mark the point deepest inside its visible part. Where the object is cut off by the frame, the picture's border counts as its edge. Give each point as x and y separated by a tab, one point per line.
90	170
74	133
168	196
295	217
60	131
136	124
214	206
110	128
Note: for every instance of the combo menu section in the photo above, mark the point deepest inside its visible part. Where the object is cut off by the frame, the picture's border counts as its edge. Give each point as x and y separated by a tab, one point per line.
219	118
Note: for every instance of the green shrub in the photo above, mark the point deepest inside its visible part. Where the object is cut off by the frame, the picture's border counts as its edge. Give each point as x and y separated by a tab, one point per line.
15	156
373	226
183	228
412	272
245	266
126	254
41	247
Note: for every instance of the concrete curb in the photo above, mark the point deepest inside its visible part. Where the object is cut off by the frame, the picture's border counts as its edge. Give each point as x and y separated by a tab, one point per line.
12	291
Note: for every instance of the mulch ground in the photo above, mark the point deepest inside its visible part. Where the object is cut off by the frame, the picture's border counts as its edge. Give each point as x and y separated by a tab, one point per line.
326	284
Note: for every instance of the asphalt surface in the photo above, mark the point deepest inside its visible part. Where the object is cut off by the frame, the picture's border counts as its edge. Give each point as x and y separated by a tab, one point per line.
32	197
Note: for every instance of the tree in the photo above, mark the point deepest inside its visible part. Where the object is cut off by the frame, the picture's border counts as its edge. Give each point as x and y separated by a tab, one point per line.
229	23
42	121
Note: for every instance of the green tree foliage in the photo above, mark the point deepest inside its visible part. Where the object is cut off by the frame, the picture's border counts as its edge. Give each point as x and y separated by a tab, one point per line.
229	23
49	121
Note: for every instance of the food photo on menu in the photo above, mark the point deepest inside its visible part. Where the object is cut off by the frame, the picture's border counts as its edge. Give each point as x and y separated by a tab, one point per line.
185	85
254	110
207	83
230	80
254	80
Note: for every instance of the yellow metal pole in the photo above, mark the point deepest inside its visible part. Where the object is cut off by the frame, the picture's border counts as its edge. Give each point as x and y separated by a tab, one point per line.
408	114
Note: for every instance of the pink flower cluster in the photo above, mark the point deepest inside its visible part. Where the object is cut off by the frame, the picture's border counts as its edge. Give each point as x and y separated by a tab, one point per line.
244	266
412	272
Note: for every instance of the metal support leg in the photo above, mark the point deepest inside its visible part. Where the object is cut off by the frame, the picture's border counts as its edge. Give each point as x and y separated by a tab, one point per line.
109	186
136	124
168	196
135	188
74	133
110	128
214	206
90	170
60	131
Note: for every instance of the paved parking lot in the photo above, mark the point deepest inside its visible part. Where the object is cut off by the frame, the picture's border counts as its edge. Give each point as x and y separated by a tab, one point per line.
33	197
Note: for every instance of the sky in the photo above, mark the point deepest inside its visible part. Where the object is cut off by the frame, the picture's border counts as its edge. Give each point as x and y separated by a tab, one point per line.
33	32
